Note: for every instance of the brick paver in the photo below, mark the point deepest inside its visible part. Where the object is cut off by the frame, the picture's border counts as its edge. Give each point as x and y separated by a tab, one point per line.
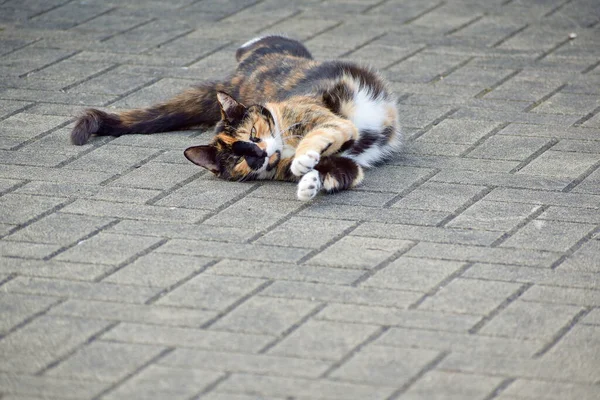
468	267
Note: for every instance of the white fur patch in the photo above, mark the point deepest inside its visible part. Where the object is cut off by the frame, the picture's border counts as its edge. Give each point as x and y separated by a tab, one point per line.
252	41
309	186
305	162
369	113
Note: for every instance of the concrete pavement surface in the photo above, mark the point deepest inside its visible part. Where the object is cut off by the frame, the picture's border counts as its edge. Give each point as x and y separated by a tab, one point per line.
468	267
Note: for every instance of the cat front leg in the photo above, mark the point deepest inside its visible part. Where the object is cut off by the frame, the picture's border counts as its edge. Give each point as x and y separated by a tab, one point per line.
332	174
324	140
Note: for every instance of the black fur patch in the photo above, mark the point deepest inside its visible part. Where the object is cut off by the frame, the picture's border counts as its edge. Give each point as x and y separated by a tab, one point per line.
367	139
343	169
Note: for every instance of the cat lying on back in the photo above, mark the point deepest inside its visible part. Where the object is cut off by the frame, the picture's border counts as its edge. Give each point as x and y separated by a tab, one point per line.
281	115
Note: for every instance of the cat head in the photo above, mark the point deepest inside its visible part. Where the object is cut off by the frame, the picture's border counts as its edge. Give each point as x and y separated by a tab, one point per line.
246	145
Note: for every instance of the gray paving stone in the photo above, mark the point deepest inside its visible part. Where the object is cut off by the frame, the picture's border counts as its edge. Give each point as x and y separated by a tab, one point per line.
82	290
501	179
108	248
458	131
27	249
18	208
534	389
105	361
561	295
186	337
375	251
386	366
531	258
304	232
156	176
109	158
323	340
413	274
544	197
493	215
159	382
281	271
582	215
262	364
505	147
341	294
162	270
305	388
52	268
439	196
43	340
585	259
560	164
459	342
213	292
59	228
266	315
469	297
206	194
397	317
549	235
18	308
118	311
43	386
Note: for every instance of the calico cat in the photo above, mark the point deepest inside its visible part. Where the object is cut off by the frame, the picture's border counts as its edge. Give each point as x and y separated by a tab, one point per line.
281	115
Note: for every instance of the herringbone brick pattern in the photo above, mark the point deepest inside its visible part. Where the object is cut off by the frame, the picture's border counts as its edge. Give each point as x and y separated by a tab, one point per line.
466	268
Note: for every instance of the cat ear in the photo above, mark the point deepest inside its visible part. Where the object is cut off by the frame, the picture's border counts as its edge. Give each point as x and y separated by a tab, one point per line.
231	110
204	156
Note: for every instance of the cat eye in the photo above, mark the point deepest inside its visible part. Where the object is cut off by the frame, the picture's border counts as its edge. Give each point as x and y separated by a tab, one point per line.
253	137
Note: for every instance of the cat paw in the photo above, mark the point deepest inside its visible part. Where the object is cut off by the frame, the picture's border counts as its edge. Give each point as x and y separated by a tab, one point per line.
309	186
305	162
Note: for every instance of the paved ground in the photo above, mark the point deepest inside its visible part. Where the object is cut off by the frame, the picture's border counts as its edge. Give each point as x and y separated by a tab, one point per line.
467	268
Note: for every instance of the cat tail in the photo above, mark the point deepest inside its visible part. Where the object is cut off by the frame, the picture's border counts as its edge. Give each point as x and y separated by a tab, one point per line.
196	106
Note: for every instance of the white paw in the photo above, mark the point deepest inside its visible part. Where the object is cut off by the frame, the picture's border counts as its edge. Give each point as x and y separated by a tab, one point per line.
309	186
304	163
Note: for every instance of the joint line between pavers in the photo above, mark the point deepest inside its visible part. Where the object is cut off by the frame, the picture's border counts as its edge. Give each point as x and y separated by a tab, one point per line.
323	31
51	63
437	287
415	185
180	282
551	143
430	366
485	137
18	111
81	239
506	235
372	6
175	187
72	351
406	57
41	135
15	187
107	38
292	328
510	36
280	221
370	272
557	8
38	217
586	117
236	304
15	49
486	318
373	337
463	26
562	332
364	44
140	87
575	247
498	83
590	68
49	9
544	98
279	21
90	77
210	387
502	386
447	72
467	204
581	178
131	259
335	239
416	17
551	50
225	205
132	168
32	316
240	10
435	122
154	359
94	146
85	21
207	54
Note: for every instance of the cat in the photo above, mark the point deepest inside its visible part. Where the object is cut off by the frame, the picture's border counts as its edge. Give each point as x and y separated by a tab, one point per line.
281	115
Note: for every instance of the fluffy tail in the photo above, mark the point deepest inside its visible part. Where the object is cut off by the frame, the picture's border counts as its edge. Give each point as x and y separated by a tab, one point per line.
197	106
